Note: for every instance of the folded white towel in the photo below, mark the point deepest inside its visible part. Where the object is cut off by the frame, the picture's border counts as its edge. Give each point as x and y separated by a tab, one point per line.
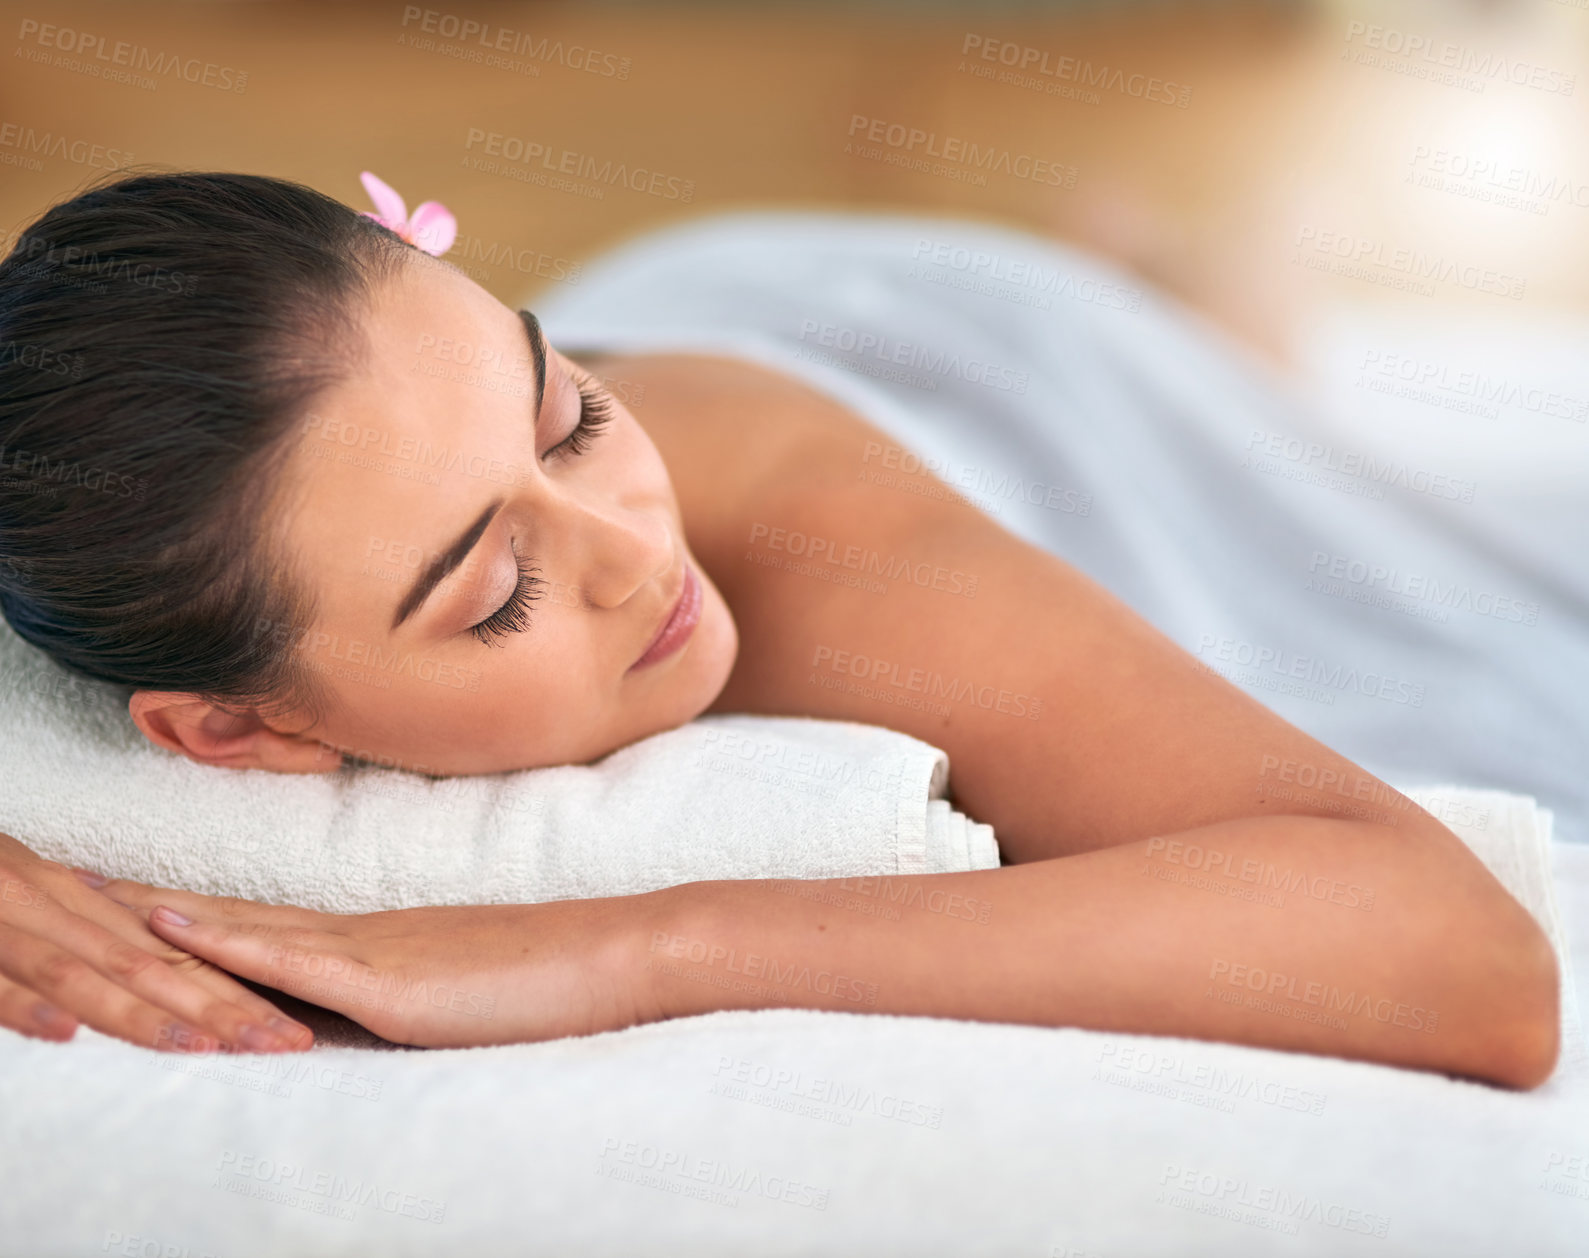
721	797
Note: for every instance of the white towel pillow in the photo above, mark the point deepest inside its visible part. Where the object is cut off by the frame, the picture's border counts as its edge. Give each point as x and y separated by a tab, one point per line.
721	797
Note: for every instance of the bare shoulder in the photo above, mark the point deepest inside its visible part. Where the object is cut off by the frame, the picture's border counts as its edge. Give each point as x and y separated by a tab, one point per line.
1070	722
735	435
767	469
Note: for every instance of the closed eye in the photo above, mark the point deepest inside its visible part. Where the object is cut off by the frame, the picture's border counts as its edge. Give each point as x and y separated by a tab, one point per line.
514	614
595	412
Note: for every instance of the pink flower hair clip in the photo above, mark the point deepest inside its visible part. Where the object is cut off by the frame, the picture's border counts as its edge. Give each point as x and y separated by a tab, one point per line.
431	227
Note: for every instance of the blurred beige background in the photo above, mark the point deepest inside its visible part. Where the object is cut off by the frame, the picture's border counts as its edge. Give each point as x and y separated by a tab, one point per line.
1222	147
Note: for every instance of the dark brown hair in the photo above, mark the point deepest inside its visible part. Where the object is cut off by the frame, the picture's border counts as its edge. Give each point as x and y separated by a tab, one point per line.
161	338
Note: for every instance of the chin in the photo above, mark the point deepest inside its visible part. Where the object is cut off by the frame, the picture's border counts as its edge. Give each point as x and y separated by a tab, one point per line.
701	670
717	644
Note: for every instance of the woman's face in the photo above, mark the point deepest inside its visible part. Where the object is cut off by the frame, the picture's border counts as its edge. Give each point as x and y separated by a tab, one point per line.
489	579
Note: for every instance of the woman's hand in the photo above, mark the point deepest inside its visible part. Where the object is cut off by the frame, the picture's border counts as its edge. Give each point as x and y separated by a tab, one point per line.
430	977
69	955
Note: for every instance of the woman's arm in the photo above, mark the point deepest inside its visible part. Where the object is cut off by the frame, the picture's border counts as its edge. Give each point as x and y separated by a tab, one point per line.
1304	933
1301	933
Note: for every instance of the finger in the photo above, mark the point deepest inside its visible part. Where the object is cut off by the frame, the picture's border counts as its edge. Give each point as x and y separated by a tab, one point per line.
224	987
92	973
311	965
30	1014
142	897
130	924
73	986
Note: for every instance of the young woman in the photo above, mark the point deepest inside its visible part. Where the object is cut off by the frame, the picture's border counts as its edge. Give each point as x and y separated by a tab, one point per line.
587	573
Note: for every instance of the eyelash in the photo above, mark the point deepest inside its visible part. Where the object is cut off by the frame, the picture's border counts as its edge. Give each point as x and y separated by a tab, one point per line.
595	411
514	614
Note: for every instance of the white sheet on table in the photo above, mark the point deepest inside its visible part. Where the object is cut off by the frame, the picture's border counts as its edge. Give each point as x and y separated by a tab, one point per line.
927	1137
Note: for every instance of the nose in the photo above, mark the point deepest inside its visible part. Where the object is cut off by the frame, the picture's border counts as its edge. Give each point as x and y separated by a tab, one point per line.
610	550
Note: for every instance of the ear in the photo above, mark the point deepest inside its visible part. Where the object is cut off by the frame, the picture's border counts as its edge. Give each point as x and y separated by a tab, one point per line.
199	730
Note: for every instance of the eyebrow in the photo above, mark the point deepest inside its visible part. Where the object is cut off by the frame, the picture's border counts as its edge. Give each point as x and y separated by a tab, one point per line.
455	554
532	329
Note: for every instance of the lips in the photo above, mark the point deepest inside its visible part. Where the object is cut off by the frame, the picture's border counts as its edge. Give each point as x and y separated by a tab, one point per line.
678	627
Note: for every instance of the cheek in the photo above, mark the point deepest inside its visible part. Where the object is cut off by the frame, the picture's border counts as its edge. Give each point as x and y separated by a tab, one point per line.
644	461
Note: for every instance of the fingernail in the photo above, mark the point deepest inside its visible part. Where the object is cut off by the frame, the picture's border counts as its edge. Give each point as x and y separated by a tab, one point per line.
286	1027
90	877
258	1040
55	1021
171	916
